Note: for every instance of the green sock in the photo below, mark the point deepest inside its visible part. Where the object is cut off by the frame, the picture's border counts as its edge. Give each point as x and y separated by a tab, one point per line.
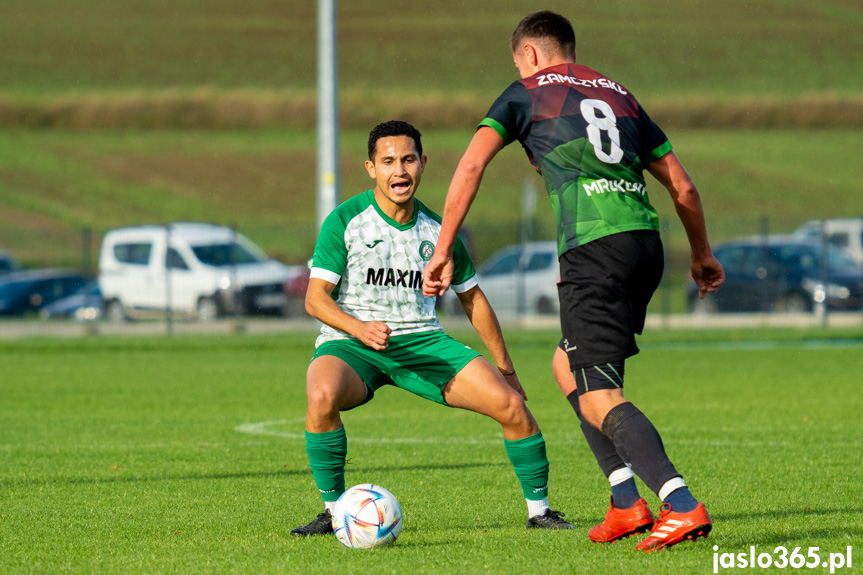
531	465
327	452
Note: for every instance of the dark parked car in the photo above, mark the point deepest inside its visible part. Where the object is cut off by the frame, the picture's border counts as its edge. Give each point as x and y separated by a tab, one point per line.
295	292
783	273
86	304
29	291
7	263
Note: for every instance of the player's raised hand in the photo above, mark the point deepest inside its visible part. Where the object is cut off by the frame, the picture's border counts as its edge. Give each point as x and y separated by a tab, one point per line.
437	274
374	334
708	275
513	382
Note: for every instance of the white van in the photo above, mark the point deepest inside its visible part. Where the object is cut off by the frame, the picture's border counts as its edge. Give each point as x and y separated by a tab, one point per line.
194	269
844	233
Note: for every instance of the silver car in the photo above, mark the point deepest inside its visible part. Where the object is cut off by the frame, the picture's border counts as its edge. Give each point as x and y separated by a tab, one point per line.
520	279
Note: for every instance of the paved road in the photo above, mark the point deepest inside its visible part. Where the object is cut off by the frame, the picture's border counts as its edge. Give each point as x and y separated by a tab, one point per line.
17	329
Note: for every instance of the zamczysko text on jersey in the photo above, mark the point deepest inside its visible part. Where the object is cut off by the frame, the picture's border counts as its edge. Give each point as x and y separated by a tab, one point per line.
546	79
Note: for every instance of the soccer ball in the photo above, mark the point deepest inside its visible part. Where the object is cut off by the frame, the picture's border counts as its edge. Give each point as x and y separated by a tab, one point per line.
367	516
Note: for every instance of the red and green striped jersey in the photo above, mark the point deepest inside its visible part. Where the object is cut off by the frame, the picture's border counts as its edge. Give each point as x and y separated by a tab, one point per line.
590	140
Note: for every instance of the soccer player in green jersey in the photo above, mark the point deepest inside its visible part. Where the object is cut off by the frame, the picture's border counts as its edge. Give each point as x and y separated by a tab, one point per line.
591	140
379	329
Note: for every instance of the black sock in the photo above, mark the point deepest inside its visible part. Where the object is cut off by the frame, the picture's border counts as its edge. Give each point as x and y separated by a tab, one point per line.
638	441
602	447
681	500
625	494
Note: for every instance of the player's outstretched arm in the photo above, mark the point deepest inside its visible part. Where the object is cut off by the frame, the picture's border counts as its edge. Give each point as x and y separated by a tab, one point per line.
484	321
322	307
705	268
486	143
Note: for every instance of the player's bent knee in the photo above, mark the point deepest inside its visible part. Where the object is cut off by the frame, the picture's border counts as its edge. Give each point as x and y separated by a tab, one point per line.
322	398
596	405
514	413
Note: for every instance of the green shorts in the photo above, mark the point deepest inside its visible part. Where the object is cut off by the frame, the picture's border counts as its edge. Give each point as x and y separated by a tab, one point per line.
421	363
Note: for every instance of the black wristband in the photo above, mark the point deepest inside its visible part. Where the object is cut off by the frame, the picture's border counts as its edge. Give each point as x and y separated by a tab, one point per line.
506	374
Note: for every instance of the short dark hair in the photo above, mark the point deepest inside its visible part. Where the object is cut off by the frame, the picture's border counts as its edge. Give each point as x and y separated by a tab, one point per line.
549	26
394	128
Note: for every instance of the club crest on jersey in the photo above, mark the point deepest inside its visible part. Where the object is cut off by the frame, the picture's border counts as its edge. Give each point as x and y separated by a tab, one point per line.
426	250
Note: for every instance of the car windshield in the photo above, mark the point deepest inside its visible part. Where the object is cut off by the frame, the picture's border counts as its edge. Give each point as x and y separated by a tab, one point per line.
840	262
504	264
541	261
798	259
807	260
226	254
89	288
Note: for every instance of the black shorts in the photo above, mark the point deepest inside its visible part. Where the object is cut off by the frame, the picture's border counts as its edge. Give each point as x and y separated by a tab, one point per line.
605	286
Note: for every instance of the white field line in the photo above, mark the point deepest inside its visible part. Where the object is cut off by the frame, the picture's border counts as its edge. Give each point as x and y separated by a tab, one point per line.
270	428
767	345
265	428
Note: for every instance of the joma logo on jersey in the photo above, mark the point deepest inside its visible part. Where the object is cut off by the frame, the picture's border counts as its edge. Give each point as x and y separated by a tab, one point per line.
603	186
547	79
391	277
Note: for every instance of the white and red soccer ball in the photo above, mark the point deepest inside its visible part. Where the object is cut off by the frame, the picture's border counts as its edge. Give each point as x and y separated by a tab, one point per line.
367	516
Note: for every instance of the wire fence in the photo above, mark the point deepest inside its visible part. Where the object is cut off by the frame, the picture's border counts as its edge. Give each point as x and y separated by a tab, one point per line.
175	276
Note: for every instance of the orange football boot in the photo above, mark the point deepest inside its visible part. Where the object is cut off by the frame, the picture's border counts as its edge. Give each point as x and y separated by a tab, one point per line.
620	523
673	527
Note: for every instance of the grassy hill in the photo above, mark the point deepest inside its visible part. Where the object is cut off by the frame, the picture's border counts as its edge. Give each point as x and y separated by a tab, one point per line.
54	183
108	73
664	48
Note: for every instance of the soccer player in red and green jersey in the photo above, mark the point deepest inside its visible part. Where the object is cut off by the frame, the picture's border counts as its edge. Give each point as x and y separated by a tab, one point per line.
591	140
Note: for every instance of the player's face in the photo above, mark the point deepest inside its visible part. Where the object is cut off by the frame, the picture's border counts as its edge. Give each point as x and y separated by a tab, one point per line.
397	169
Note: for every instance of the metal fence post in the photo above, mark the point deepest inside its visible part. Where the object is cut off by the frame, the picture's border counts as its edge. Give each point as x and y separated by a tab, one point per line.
169	319
525	234
236	295
664	231
821	306
764	232
87	250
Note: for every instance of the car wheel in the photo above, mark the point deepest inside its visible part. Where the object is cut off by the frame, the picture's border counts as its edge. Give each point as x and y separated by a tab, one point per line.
456	309
793	303
294	307
544	306
116	312
706	306
207	309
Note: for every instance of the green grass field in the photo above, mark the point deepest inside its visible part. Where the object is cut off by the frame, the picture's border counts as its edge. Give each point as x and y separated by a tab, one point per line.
185	455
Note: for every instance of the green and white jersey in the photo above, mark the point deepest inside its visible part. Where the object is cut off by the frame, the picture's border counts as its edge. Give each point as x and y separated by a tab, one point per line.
377	265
